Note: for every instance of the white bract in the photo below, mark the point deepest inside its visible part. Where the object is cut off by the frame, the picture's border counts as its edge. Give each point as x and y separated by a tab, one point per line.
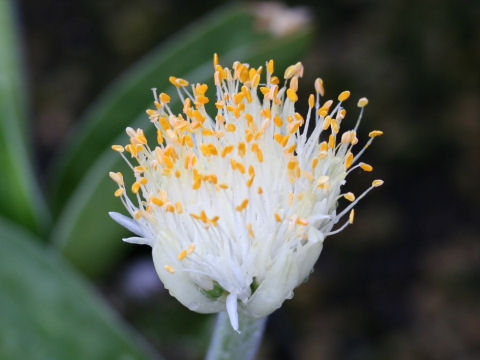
236	206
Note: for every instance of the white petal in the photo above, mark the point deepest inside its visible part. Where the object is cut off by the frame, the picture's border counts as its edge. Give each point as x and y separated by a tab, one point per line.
127	223
138	240
278	285
181	286
232	311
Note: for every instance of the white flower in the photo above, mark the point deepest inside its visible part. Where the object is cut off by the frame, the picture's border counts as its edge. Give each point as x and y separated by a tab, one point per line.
236	207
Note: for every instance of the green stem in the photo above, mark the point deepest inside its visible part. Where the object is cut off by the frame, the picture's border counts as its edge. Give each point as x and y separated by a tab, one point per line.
228	344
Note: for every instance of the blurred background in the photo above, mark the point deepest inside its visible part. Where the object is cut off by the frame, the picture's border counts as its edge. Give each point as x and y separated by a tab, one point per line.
402	283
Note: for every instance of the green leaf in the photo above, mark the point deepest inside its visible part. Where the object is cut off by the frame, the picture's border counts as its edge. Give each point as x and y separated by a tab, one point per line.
20	198
84	232
128	97
49	312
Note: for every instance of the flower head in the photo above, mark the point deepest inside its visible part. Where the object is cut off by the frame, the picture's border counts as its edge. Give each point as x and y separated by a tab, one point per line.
236	206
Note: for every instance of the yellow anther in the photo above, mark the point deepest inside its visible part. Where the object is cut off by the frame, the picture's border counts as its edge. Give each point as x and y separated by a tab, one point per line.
266	113
178	207
282	140
323	146
135	187
170	208
270	66
223	186
164	123
164	98
366	167
117	177
327	122
301	221
213	220
264	90
377	183
237	98
119	192
314	163
260	190
294	83
362	102
349	196
278	218
292	164
375	133
138	214
294	70
242	149
256	80
215	59
143	180
319	86
157	201
182	255
226	150
351	216
291	149
348	160
335	126
212	178
170	269
202	100
118	148
251	171
344	95
292	95
159	137
293	126
311	101
207	132
191	248
348	137
250	230
196	184
242	205
331	141
278	120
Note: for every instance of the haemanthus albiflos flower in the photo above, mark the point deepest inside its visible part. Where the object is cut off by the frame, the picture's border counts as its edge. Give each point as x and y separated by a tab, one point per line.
236	206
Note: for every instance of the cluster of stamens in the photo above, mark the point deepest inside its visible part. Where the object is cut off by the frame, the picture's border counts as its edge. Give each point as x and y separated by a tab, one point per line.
258	175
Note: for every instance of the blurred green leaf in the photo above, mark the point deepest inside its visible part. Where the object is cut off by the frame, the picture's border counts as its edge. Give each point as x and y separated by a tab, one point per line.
48	311
84	232
20	199
130	95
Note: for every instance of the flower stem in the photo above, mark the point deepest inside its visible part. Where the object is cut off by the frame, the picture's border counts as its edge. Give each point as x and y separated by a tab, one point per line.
228	344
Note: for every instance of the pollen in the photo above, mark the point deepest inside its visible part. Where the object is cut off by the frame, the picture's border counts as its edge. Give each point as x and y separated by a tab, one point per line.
242	205
170	269
375	133
344	95
366	167
182	255
362	102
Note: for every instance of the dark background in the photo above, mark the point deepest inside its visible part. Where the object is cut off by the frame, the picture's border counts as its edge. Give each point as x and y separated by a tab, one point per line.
404	281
